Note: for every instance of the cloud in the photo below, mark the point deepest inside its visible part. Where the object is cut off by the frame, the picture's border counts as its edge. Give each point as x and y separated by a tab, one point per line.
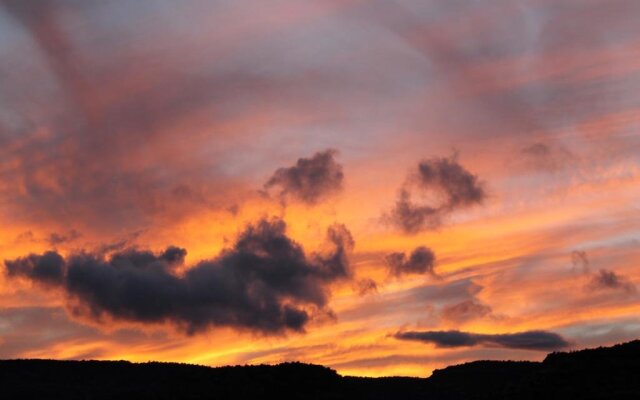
537	150
465	311
609	280
460	187
603	279
411	217
309	180
421	261
366	286
580	260
529	340
56	239
448	187
547	157
264	283
48	268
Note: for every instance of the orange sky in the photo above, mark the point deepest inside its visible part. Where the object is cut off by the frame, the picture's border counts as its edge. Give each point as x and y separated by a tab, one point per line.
140	125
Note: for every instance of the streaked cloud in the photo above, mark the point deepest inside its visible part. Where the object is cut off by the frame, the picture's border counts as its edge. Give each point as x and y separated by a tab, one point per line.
530	340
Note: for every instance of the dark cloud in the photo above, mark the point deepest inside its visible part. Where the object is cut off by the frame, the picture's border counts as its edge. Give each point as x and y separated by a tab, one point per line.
48	268
529	340
411	217
336	264
171	257
445	185
310	180
609	280
460	187
264	283
421	261
465	311
603	279
174	255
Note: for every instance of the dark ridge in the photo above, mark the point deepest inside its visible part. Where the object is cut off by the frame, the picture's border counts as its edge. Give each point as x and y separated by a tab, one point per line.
479	379
602	373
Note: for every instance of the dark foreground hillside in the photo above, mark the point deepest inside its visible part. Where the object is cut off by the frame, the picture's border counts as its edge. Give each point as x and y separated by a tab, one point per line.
603	373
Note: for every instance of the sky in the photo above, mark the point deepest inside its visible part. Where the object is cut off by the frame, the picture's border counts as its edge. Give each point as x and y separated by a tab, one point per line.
382	187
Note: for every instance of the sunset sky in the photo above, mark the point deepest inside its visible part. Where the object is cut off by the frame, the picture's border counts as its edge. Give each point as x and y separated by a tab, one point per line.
384	187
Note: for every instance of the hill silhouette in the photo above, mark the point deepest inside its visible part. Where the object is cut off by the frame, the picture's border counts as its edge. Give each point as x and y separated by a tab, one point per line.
606	372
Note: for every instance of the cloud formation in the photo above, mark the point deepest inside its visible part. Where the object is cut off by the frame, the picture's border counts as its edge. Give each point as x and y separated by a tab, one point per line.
547	157
421	261
529	340
365	286
264	283
309	180
444	185
609	280
579	259
465	311
603	279
48	268
56	239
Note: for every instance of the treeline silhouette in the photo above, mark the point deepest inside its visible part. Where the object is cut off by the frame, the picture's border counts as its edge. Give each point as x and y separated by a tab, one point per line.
602	373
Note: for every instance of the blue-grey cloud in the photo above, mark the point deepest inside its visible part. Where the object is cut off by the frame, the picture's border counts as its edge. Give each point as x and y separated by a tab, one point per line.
421	261
264	283
529	340
449	187
609	280
309	180
47	268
